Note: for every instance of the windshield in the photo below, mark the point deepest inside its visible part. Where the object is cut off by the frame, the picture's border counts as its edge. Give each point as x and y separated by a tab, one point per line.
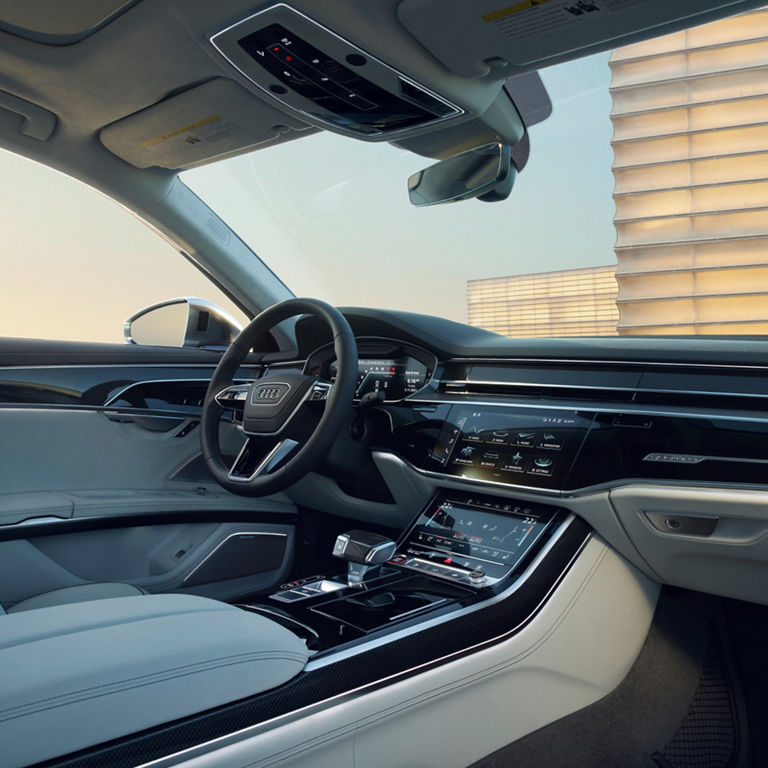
643	208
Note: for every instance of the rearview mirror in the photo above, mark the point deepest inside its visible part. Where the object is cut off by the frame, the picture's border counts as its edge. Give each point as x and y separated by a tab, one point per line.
184	322
485	172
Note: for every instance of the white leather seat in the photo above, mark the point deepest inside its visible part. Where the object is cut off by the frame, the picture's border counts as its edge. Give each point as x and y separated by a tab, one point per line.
77	594
79	674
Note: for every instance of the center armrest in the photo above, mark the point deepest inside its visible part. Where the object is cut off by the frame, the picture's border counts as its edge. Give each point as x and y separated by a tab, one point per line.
80	674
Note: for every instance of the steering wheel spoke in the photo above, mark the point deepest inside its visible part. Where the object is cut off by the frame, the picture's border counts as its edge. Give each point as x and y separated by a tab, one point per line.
233	397
257	458
320	391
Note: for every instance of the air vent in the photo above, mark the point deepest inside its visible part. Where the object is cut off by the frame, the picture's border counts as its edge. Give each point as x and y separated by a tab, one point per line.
538	391
698	387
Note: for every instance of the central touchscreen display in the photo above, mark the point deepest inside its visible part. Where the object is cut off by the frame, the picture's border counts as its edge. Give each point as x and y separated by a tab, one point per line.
464	531
518	446
473	540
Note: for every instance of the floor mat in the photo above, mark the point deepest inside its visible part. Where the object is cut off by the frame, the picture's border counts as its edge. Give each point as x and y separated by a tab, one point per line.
708	736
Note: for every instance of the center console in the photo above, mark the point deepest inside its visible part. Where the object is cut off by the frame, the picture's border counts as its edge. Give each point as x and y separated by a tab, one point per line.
473	540
461	549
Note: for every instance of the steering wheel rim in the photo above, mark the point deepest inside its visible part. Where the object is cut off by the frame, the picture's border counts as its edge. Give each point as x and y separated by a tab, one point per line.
338	398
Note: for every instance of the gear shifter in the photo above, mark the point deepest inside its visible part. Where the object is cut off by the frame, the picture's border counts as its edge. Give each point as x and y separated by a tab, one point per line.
363	551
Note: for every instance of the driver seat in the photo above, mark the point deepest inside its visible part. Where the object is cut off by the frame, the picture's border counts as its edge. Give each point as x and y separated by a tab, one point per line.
76	594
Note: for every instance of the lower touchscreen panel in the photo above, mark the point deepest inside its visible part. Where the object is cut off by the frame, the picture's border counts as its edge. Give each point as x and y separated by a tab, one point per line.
518	446
474	540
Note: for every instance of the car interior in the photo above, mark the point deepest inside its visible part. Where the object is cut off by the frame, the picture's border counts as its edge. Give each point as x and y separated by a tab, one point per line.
359	536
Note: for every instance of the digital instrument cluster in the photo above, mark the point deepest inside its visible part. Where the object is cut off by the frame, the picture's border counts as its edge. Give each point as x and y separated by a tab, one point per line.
396	377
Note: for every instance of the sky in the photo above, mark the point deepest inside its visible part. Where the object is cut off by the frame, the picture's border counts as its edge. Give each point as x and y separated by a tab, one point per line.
328	214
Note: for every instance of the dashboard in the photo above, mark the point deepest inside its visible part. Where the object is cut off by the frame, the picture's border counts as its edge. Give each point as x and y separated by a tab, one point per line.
660	445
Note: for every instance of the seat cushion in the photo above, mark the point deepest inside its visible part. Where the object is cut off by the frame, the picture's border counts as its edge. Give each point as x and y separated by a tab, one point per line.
80	674
78	594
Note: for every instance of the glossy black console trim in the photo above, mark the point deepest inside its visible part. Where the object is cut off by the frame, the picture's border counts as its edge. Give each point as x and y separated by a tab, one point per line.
45	352
594	407
381	665
48	526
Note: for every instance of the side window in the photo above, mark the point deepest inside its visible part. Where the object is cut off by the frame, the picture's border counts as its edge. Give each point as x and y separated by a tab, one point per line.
76	265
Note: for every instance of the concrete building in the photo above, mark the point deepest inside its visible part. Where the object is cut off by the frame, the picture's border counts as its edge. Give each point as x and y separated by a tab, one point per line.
571	302
690	118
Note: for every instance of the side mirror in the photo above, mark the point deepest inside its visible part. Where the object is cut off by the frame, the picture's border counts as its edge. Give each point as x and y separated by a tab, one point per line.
184	322
485	172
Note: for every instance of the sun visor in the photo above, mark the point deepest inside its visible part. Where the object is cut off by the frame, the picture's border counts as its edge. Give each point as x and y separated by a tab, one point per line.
210	121
497	37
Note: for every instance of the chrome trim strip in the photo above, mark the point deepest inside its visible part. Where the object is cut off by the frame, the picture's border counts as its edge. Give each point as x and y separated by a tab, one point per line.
570	361
233	403
315	118
135	384
592	387
255	730
223	542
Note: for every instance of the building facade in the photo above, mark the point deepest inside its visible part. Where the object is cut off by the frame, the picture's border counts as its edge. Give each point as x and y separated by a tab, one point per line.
690	120
571	302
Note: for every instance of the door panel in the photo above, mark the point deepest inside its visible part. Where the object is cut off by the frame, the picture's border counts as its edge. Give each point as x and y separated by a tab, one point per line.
198	558
74	452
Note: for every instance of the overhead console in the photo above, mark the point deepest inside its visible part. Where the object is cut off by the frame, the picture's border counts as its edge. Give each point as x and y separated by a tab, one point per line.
313	71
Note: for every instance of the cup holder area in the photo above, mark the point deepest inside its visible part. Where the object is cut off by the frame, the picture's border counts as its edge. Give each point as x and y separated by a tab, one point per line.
380	607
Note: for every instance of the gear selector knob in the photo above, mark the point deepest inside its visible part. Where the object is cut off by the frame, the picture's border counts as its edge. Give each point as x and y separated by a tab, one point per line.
362	550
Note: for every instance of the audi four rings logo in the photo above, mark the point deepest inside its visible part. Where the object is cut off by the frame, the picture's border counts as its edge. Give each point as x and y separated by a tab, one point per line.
269	394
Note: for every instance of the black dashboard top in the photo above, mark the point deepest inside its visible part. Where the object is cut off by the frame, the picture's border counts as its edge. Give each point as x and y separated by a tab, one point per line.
449	339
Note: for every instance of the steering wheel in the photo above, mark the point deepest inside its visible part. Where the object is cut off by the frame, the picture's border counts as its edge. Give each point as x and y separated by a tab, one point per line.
284	437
